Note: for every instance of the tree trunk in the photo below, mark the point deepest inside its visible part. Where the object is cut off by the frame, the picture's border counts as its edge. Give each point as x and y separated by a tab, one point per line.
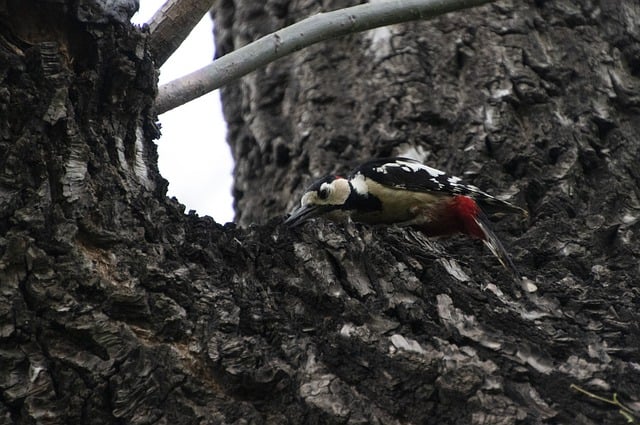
535	100
115	307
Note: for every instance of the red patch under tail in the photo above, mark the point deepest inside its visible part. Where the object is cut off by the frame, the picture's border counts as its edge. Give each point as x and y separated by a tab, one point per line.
467	211
476	224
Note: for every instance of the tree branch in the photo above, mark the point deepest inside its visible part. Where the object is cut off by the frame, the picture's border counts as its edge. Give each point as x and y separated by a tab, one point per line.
298	36
172	23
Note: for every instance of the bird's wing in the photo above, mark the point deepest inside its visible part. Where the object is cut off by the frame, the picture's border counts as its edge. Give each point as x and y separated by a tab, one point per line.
409	174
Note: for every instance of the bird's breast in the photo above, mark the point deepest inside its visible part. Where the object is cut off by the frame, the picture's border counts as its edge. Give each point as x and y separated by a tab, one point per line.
399	205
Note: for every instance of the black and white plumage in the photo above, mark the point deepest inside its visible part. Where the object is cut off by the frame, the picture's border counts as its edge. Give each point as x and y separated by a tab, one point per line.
406	192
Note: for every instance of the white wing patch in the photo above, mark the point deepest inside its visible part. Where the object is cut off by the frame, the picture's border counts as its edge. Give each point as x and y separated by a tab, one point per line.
456	182
414	167
409	166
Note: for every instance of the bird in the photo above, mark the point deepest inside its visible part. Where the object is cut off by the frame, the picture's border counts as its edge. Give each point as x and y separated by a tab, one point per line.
406	192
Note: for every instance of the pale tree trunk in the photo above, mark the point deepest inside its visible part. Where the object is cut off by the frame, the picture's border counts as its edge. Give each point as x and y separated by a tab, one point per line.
115	307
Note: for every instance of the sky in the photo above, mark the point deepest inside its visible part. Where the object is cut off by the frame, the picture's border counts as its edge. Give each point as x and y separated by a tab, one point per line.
193	154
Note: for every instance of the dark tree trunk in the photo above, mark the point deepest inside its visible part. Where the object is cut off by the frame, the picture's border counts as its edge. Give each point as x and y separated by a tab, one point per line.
115	307
537	100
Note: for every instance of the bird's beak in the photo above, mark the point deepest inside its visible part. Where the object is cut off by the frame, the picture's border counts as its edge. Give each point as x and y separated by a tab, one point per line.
306	212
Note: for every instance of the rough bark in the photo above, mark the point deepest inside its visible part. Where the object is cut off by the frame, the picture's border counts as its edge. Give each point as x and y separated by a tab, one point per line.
534	99
115	307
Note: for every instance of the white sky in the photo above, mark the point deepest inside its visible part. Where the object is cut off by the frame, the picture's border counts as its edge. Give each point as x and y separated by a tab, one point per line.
193	153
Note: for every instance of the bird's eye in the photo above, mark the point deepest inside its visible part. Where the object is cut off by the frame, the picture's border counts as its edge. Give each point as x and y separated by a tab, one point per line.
323	193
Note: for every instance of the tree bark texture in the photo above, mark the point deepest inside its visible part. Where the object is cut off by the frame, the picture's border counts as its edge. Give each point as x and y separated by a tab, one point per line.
116	307
537	100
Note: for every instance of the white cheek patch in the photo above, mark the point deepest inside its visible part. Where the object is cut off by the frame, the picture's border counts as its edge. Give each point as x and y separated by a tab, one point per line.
359	184
308	198
340	191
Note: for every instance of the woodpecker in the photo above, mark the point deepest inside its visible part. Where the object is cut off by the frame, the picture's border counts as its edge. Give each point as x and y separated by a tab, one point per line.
406	192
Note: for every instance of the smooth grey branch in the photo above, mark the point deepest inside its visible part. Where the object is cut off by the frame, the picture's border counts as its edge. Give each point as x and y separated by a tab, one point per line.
171	24
297	36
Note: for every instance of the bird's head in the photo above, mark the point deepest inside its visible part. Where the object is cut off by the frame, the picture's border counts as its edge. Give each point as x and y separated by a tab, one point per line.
325	195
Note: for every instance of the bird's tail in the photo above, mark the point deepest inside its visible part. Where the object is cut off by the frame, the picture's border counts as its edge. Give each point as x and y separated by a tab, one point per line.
491	240
495	206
